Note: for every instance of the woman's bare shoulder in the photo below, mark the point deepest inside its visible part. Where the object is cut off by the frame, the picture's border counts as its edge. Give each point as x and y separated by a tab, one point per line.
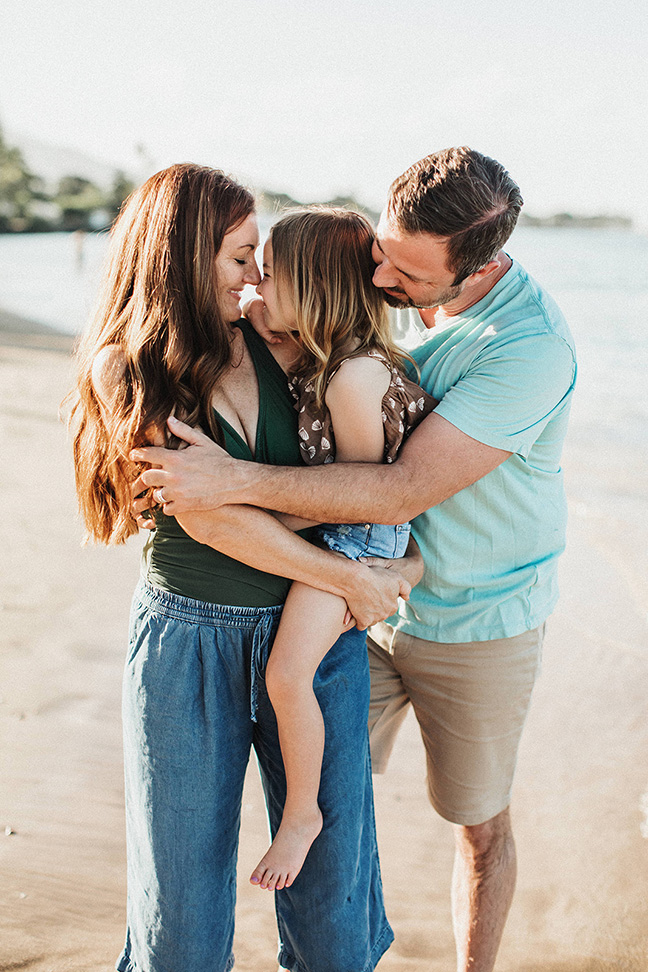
108	369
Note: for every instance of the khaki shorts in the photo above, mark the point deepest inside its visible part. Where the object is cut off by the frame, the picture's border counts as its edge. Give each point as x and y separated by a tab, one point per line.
471	701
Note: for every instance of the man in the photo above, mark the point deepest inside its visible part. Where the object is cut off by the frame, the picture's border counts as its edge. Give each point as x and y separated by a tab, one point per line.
481	479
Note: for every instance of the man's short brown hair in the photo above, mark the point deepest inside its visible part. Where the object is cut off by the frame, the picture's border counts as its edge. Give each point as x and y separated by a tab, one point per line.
463	196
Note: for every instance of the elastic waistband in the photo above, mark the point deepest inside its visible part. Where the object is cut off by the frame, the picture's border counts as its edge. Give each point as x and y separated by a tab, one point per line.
189	609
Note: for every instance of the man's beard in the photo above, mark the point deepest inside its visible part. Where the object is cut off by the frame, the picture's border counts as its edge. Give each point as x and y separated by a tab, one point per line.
404	302
400	302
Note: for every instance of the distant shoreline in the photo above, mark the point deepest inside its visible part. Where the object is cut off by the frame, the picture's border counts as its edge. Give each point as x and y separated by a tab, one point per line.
272	206
24	332
569	221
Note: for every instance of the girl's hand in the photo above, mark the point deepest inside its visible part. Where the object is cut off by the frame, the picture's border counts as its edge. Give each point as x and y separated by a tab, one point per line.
253	311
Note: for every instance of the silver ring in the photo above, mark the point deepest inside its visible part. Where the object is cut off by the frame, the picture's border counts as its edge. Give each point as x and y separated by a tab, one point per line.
159	496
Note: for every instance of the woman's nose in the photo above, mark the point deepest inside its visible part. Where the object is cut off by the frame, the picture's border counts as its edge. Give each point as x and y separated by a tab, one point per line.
253	276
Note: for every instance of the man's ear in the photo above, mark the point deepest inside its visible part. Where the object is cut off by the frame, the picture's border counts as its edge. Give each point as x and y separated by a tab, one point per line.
486	270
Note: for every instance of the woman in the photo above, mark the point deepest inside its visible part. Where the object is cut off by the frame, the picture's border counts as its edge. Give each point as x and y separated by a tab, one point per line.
202	622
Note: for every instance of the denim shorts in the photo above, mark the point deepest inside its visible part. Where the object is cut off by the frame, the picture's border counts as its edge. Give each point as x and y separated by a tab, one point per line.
365	539
194	704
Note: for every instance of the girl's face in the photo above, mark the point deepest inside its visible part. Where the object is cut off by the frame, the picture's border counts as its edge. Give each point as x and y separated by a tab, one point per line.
236	266
278	313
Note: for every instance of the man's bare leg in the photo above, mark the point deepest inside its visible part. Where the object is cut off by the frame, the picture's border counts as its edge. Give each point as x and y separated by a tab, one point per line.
483	882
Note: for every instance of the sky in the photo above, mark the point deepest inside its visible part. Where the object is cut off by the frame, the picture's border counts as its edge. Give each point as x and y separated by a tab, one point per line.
323	97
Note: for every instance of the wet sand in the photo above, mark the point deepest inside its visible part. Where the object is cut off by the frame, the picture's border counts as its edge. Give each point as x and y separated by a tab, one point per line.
581	825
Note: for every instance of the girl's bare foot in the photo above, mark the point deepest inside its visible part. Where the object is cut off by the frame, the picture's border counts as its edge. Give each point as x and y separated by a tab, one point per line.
287	853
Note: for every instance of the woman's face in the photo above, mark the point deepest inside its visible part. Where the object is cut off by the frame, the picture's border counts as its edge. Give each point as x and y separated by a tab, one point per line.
236	266
277	312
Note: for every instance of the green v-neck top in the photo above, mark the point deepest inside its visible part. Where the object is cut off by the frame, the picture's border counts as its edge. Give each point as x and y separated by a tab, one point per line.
177	563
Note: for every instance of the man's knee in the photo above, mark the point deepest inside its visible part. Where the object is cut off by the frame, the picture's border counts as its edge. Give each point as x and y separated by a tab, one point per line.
486	842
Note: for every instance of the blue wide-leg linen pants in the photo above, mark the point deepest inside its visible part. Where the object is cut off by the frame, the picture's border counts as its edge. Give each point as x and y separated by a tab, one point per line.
194	704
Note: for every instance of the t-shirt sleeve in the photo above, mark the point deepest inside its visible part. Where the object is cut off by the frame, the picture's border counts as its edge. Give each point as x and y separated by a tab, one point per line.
510	392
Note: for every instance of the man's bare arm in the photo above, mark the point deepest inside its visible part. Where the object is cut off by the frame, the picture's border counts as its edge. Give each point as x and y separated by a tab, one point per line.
437	461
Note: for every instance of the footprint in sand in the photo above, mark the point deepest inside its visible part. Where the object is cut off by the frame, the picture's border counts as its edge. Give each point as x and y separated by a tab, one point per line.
80	708
643	806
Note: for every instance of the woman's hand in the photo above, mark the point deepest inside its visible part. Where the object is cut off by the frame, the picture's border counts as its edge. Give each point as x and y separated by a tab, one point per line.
407	570
411	566
374	593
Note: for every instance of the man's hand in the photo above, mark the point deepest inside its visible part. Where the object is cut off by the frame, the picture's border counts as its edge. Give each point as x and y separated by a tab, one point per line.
196	478
142	510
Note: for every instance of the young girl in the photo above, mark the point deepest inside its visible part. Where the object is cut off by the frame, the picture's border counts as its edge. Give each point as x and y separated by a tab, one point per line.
354	406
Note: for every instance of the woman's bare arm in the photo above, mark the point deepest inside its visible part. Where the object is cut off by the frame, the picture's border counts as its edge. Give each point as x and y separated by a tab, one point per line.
256	538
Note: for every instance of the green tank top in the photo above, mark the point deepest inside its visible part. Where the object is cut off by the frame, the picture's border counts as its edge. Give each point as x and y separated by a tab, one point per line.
176	562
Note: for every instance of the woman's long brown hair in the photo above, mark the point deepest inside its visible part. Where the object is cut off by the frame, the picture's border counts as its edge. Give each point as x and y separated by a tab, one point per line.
158	309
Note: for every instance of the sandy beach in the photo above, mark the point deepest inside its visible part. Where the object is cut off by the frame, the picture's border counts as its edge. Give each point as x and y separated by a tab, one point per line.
581	800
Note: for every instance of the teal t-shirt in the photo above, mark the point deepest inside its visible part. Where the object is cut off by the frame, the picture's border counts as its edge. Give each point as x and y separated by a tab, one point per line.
504	373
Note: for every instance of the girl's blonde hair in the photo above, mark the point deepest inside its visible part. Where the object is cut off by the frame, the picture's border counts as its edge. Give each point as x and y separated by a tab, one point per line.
322	260
159	311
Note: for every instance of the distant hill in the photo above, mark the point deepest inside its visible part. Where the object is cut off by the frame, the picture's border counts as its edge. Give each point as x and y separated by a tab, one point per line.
54	162
273	203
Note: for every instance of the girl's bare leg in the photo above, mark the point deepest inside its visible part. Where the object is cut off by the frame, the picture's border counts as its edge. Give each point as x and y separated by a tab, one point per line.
311	622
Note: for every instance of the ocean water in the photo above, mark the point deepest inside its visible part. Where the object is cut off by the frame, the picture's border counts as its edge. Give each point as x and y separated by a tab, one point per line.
599	279
52	278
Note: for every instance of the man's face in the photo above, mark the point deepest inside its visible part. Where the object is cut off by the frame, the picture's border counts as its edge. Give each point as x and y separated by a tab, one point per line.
411	268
